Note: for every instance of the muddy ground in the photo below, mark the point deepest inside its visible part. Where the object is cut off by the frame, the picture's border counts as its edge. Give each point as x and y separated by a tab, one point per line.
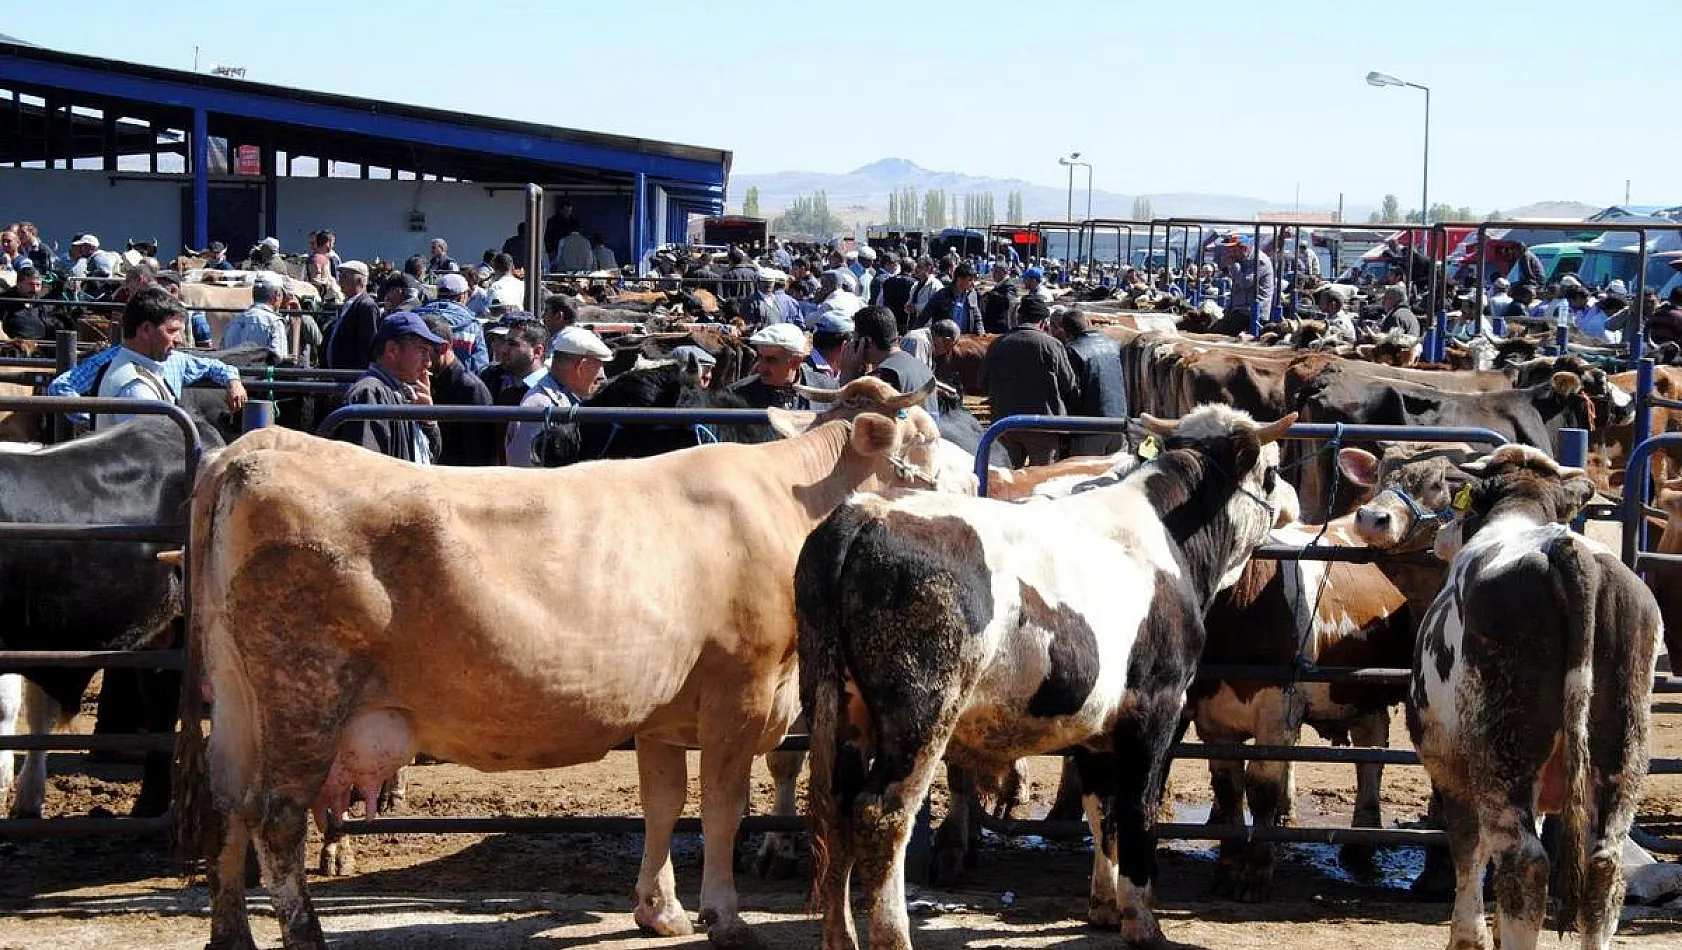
483	891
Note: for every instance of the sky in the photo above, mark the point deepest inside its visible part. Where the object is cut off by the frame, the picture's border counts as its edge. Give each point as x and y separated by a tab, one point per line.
1540	101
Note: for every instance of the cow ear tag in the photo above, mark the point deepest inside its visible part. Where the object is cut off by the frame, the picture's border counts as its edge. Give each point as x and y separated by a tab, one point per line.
1150	448
1463	498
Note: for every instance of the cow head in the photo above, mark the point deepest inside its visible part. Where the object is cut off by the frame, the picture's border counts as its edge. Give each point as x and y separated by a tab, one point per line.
1517	481
1226	442
888	426
1412	488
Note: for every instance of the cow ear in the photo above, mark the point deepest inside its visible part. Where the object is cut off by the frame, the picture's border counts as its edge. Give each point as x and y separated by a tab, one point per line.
1579	491
1359	466
1567	384
791	422
874	434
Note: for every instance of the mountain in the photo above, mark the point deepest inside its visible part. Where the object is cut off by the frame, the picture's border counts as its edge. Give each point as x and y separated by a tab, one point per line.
861	196
1551	211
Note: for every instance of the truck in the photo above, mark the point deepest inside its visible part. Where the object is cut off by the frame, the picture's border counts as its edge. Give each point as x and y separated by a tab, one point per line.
736	229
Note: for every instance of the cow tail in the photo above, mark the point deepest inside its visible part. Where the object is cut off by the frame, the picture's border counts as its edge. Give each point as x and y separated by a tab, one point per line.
818	579
190	781
1571	564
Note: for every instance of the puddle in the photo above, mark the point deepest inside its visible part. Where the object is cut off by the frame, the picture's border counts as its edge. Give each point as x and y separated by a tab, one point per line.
1392	868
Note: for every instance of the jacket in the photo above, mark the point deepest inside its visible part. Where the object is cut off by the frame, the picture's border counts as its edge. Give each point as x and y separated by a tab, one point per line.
757	395
907	374
350	343
397	438
1096	360
465	443
1027	371
948	304
998	308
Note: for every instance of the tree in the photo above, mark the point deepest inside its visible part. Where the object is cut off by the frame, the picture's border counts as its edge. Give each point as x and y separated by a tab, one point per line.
893	208
750	202
934	210
1374	218
1013	208
1390	210
809	215
1142	209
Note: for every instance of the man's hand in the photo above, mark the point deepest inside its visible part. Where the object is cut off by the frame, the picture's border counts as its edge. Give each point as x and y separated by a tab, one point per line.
423	389
236	396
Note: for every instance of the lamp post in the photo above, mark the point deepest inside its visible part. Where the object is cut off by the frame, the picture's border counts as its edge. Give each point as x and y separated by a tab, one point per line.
1068	161
1385	79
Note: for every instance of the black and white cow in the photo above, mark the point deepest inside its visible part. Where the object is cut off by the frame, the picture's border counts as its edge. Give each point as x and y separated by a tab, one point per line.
77	595
1530	696
983	632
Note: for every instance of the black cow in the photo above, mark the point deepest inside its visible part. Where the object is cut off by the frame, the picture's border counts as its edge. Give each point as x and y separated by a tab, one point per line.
75	595
668	386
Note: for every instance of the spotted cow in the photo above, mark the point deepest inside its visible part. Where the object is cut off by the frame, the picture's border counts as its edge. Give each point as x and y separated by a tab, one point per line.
1530	696
982	632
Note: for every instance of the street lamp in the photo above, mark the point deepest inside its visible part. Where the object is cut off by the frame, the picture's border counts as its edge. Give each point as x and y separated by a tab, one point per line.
1070	163
1385	79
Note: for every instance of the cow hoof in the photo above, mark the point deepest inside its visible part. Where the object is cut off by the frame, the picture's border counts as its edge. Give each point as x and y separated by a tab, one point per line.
1254	888
25	813
661	919
734	935
946	866
1104	915
337	861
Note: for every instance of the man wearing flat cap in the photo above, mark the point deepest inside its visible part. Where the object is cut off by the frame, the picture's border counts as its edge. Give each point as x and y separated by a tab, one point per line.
399	375
781	350
704	362
576	359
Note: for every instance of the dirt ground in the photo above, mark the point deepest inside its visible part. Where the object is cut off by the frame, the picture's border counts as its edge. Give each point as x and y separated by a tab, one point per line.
484	891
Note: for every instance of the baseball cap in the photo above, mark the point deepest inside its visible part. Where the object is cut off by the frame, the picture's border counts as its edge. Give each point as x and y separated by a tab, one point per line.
273	243
355	267
452	284
406	323
834	323
1034	272
784	335
578	341
86	240
508	321
1617	288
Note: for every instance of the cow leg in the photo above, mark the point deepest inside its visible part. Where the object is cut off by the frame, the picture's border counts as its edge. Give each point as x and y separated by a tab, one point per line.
160	697
1096	773
280	848
1467	849
230	923
1437	878
882	829
663	778
952	852
726	777
1520	877
1069	804
11	706
1371	730
778	855
1267	786
1141	742
41	717
838	764
1226	780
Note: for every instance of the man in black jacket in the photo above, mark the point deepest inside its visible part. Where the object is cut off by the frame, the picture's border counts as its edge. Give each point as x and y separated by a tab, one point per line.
892	289
998	306
350	342
878	342
1096	360
399	375
956	302
741	277
1027	372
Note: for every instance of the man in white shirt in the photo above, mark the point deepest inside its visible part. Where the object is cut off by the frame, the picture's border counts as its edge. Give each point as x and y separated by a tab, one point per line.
928	284
504	286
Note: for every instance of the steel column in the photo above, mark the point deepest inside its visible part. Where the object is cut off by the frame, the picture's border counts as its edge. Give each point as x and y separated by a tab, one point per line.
639	222
201	179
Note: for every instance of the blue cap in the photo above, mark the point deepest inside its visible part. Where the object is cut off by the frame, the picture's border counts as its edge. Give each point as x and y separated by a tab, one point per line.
833	323
406	323
1033	272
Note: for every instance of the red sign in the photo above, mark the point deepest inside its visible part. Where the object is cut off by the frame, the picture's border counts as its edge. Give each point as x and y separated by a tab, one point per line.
248	160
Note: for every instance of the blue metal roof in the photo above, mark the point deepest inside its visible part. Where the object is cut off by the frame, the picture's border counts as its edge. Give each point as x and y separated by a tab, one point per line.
346	127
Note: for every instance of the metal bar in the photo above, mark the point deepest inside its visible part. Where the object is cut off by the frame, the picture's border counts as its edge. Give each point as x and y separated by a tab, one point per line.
1634	487
534	414
1187	831
1373	675
534	248
163	742
97	404
80	827
298	387
1287	753
1319	552
19	661
64	360
62	531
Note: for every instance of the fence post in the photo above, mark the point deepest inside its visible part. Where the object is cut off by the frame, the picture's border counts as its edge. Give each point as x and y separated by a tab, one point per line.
258	414
1574	451
65	354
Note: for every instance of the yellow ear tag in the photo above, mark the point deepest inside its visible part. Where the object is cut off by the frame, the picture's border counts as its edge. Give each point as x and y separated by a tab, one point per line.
1463	498
1150	448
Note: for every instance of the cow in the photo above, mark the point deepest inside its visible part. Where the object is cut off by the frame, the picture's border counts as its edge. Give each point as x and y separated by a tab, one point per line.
414	592
71	595
982	632
1666	578
1530	696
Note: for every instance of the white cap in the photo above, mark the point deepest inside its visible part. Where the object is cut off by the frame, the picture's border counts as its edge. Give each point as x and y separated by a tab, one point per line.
87	240
867	253
452	284
577	341
1569	281
784	335
266	278
355	267
271	243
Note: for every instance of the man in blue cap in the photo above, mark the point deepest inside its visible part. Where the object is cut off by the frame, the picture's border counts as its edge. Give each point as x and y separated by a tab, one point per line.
830	339
1033	284
400	375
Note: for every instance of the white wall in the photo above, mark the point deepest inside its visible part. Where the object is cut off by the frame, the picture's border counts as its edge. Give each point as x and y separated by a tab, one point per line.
64	203
372	217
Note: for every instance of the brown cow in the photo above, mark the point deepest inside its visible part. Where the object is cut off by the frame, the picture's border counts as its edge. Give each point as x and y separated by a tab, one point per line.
390	638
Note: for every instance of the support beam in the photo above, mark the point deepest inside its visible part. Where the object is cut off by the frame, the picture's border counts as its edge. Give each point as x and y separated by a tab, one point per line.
108	126
639	222
271	186
201	179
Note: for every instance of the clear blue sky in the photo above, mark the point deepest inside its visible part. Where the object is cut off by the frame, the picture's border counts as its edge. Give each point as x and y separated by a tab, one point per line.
1535	101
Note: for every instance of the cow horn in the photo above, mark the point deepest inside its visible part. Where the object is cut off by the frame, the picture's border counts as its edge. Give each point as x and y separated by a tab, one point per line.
1274	431
1161	427
914	398
814	393
171	557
